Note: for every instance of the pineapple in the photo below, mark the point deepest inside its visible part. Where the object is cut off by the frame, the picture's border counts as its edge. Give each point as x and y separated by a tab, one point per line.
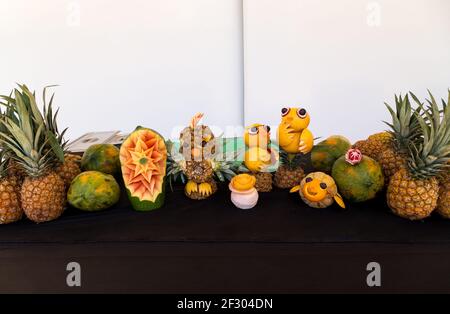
405	129
37	151
263	181
289	173
198	171
375	144
70	168
444	197
72	157
43	197
414	190
392	161
12	168
15	170
10	208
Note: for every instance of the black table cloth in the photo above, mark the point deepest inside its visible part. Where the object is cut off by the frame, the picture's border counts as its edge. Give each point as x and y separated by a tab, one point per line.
190	246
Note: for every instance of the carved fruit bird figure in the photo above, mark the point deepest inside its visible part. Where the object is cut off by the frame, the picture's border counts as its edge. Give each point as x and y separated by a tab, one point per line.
293	135
258	155
318	190
197	147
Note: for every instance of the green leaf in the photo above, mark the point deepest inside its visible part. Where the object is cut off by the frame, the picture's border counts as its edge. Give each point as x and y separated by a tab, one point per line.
56	147
37	116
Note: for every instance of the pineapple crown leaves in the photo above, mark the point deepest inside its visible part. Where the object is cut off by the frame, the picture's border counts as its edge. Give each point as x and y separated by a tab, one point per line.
175	170
224	163
25	133
404	127
9	109
51	118
242	168
48	119
4	162
225	170
291	161
430	158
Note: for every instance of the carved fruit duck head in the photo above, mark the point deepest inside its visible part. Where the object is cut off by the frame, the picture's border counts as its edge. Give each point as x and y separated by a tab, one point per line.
257	135
318	190
297	118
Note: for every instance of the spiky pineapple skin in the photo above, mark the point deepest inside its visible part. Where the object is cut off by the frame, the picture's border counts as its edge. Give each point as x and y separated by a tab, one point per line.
443	207
73	157
362	146
10	208
15	170
375	144
391	162
43	198
263	181
286	178
411	198
199	171
68	171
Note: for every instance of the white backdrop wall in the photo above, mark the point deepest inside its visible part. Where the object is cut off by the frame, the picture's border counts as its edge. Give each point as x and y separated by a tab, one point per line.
342	59
124	63
157	62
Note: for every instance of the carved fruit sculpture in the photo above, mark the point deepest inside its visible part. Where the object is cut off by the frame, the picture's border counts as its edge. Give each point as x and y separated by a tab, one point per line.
143	156
243	192
259	155
295	140
318	190
293	133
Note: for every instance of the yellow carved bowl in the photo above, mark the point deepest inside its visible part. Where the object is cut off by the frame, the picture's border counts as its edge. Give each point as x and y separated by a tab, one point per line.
243	182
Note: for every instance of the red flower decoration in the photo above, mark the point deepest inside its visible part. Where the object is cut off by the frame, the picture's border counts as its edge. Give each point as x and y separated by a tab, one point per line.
353	156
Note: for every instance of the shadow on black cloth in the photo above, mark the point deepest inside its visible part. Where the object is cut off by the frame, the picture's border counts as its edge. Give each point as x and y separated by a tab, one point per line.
210	246
278	217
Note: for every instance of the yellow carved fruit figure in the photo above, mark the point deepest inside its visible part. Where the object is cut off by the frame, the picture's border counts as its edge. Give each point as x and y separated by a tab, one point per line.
293	134
318	190
243	182
257	159
257	135
258	155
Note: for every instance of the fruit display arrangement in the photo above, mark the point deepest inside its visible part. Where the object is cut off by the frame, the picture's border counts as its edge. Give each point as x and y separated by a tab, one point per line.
36	168
414	155
40	178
